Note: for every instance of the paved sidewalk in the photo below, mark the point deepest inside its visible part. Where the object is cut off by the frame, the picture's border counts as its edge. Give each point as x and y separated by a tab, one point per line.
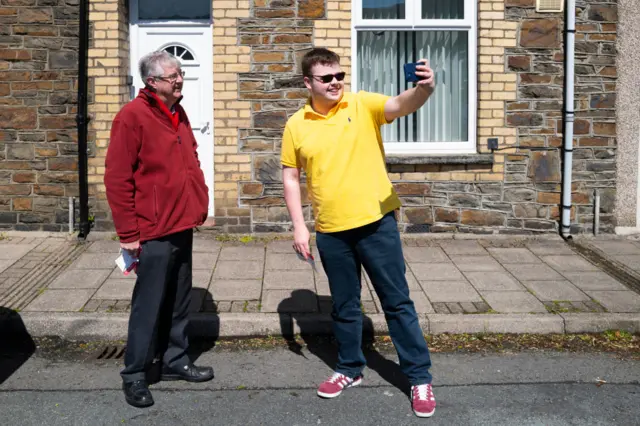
458	284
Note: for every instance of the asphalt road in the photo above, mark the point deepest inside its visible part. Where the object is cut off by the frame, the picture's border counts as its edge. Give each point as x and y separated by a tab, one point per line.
277	387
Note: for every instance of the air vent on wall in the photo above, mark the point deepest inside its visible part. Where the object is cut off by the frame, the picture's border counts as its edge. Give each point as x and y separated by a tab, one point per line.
549	6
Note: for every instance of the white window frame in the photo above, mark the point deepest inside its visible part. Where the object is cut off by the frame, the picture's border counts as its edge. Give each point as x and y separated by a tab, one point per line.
413	21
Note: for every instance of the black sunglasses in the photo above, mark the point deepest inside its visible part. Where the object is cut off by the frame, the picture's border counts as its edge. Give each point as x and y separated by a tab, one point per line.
328	78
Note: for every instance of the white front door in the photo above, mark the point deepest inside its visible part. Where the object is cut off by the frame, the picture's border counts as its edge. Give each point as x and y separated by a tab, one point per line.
192	44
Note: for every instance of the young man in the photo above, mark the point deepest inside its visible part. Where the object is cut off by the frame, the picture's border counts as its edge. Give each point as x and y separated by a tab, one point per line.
336	139
157	195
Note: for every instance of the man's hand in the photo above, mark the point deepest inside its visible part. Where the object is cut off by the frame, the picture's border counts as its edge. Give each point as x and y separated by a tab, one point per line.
133	248
428	79
301	241
410	100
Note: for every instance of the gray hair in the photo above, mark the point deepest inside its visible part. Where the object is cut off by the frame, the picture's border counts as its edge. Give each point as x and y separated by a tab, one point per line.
151	64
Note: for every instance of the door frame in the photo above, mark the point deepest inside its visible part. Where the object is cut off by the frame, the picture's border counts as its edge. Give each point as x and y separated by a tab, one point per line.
206	26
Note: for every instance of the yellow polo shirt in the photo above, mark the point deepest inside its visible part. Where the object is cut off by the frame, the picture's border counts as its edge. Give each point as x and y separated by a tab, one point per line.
343	157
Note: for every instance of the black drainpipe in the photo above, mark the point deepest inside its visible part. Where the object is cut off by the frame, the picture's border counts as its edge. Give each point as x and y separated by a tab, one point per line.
82	120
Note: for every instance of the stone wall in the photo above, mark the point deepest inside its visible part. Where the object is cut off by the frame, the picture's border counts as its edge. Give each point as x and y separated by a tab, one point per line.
533	175
38	149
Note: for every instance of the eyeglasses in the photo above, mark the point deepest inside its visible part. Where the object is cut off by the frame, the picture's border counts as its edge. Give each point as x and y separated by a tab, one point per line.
328	78
171	78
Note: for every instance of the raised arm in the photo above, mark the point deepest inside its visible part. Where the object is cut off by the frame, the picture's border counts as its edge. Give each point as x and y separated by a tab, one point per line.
410	100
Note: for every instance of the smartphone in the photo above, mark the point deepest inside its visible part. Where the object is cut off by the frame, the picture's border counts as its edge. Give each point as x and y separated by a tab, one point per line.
410	72
310	260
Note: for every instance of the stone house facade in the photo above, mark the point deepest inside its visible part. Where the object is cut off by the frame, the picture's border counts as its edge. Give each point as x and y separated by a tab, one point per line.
502	80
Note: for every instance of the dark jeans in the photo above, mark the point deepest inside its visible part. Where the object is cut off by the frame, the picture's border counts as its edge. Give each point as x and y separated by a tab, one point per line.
378	248
160	304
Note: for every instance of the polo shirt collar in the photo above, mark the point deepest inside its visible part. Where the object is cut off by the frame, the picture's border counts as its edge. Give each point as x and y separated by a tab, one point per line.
309	111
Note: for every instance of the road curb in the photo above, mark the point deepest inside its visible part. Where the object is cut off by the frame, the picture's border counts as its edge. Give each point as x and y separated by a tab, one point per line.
113	326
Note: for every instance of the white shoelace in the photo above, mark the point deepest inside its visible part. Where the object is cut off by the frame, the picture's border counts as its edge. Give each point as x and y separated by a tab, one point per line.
338	376
424	392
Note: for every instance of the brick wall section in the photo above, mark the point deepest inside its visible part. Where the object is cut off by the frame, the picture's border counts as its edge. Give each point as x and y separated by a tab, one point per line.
38	69
231	60
108	69
533	180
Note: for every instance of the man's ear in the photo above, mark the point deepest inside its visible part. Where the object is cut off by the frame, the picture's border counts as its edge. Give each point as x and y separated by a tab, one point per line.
307	82
151	83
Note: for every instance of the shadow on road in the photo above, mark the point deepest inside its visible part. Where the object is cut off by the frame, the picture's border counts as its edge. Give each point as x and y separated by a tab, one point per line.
16	345
318	336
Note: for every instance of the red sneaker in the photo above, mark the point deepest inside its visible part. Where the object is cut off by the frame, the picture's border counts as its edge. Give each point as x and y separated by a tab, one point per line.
334	385
422	400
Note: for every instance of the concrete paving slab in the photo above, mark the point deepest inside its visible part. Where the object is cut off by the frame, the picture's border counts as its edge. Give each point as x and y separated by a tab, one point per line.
204	260
5	263
533	272
549	291
286	262
573	263
242	253
598	323
15	251
239	270
450	291
206	245
469	247
594	281
547	248
476	263
288	280
412	281
118	275
285	301
281	246
617	301
514	255
81	278
420	301
631	261
615	247
94	261
201	278
436	271
115	289
495	323
513	302
235	289
104	246
322	288
60	300
425	255
493	281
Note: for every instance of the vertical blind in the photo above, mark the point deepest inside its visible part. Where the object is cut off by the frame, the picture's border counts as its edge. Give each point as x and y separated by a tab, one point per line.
444	118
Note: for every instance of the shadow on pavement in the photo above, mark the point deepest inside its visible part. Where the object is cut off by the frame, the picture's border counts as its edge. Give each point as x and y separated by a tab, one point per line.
318	337
16	345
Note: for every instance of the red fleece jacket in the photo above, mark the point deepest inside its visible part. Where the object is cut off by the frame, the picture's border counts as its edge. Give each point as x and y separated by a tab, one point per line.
154	183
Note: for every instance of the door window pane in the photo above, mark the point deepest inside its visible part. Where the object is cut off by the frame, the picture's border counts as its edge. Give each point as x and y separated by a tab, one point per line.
174	10
383	9
444	118
442	9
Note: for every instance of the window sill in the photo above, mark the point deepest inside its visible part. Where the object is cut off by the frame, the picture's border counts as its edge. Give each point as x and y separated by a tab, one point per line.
394	159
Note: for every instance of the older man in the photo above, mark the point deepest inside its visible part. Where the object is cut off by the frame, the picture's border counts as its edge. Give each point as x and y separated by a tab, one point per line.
157	194
336	139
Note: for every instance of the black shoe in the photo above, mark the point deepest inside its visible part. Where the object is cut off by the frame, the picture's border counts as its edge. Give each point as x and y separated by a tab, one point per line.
189	373
137	393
